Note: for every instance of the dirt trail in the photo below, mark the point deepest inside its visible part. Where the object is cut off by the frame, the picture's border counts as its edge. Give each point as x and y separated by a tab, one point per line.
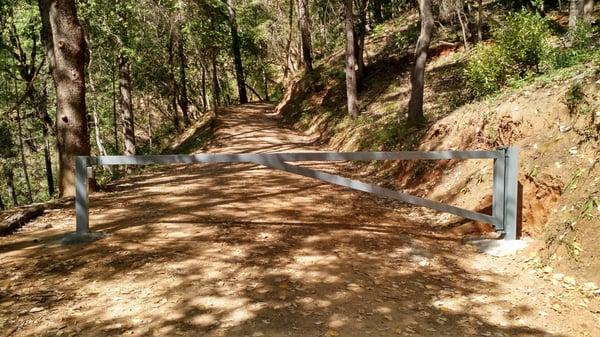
240	250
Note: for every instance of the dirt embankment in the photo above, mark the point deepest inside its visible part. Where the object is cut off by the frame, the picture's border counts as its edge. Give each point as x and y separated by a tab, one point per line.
556	124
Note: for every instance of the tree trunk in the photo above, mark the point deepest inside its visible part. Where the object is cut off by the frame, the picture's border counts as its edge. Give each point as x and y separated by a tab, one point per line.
126	105
203	88
304	18
99	144
173	83
288	48
10	184
2	207
43	107
576	12
351	91
588	11
183	95
114	107
359	39
479	20
216	92
464	28
237	55
376	9
417	79
266	85
22	152
65	46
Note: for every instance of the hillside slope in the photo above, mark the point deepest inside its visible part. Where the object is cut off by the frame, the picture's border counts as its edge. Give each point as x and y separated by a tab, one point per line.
554	119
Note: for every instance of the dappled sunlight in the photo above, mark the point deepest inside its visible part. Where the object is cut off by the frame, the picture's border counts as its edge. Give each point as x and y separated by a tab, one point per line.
235	250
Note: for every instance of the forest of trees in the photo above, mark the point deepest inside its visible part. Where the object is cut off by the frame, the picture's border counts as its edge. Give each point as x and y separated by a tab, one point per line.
119	76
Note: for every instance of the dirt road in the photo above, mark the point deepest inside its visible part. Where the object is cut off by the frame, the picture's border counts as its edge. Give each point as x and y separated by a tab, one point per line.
240	250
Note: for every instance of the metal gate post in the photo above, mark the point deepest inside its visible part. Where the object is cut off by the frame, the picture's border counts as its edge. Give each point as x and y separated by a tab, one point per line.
511	192
82	195
498	191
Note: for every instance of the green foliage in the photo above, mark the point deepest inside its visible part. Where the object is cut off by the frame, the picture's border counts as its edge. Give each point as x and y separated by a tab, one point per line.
580	45
524	40
486	72
520	47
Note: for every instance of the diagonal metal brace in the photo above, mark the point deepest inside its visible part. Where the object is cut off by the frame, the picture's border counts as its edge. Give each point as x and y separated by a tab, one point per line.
374	189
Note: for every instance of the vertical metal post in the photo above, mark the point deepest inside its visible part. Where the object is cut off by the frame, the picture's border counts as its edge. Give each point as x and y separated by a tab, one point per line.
511	192
82	195
498	191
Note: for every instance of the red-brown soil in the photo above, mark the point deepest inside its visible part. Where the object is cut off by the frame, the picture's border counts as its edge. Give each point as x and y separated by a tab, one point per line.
240	250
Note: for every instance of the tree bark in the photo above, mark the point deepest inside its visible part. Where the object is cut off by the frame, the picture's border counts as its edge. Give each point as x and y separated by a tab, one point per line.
95	122
216	92
266	85
22	152
464	28
576	12
417	79
288	48
173	90
359	39
65	46
183	94
203	88
43	107
10	185
376	10
588	10
127	117
237	55
114	106
304	23
351	91
479	20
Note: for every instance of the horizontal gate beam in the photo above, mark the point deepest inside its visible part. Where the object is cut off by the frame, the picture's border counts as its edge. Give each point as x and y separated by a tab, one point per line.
504	215
283	157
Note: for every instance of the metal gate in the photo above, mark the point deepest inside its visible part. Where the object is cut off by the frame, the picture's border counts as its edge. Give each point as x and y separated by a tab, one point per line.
505	185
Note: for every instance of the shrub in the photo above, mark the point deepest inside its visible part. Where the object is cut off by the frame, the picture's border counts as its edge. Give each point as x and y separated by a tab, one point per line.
524	40
520	46
486	71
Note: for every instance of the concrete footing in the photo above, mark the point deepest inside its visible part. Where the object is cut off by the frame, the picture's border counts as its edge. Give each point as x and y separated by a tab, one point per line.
78	238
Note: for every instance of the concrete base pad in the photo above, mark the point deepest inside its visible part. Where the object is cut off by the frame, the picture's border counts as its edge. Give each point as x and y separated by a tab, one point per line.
77	238
499	247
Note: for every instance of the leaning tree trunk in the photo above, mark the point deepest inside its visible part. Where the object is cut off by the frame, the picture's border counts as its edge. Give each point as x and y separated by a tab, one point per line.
65	46
305	40
237	55
351	91
417	79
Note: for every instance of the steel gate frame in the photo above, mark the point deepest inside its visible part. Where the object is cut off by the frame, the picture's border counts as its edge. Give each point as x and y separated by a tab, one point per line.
504	194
